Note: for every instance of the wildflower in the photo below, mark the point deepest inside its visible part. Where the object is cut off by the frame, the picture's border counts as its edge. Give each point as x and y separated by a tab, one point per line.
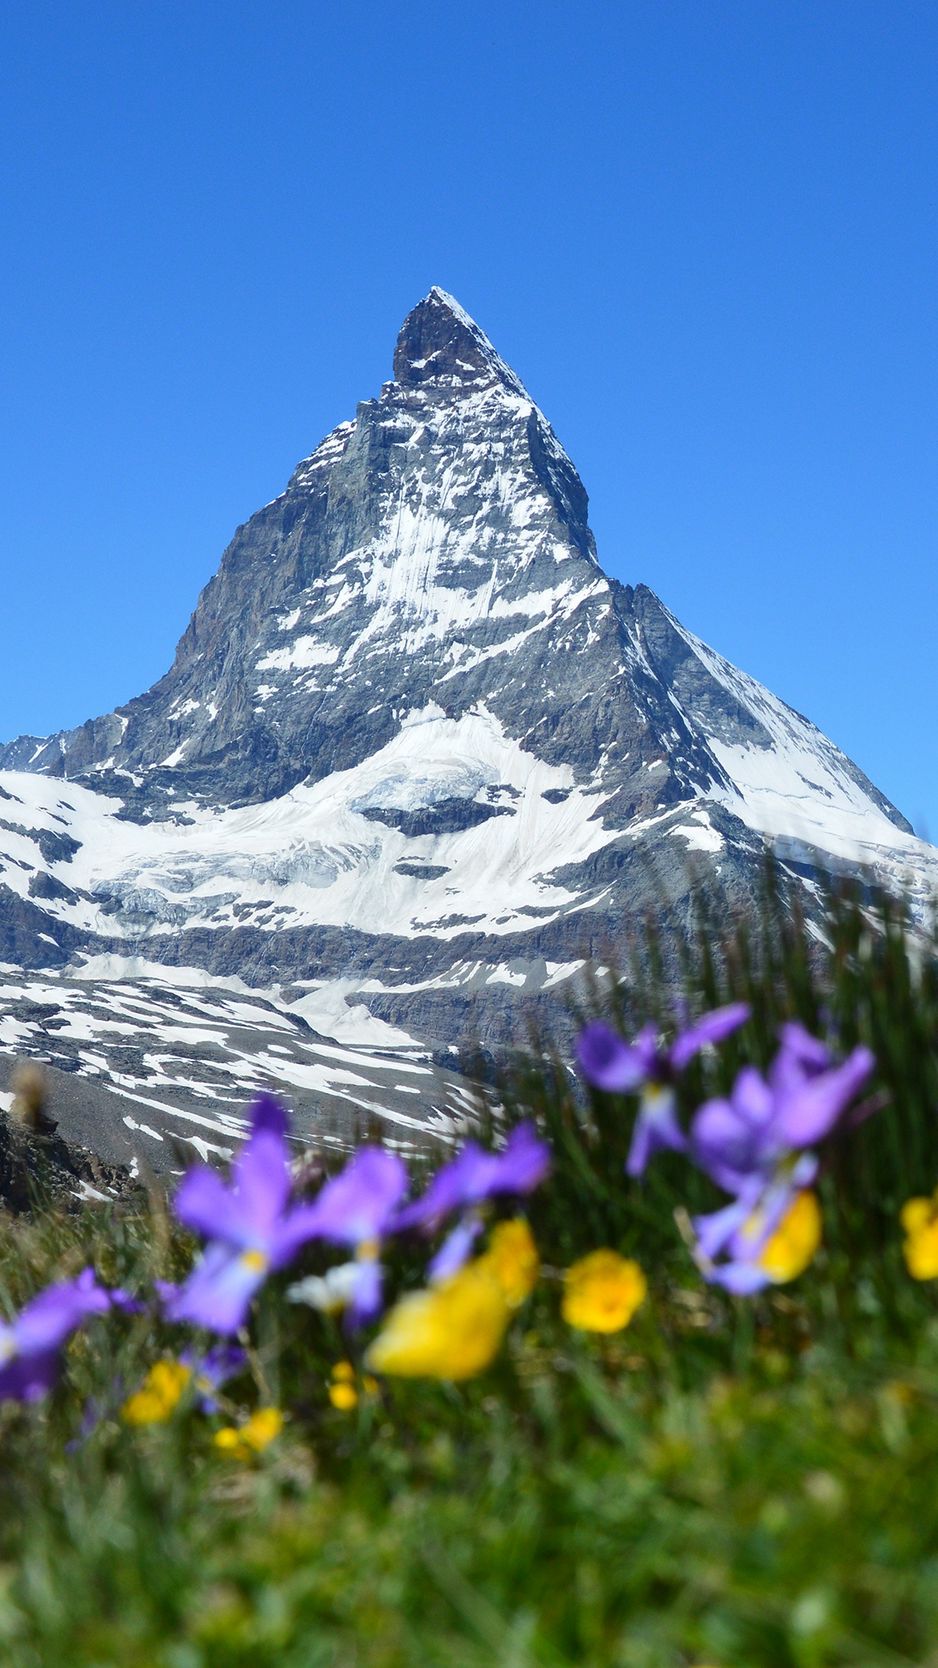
742	1141
159	1396
343	1389
167	1382
357	1205
512	1260
243	1442
919	1218
211	1369
450	1331
249	1225
356	1208
610	1063
31	1345
602	1292
330	1293
342	1392
468	1181
475	1175
769	1244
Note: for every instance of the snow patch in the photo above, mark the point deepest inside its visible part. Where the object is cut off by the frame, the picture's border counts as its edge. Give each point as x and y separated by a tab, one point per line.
301	653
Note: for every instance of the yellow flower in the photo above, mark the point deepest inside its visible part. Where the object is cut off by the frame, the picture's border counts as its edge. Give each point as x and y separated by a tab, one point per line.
788	1251
343	1390
451	1331
919	1218
513	1260
256	1434
159	1395
602	1292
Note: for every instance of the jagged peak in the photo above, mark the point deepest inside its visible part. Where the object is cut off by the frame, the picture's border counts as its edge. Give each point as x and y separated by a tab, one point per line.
439	343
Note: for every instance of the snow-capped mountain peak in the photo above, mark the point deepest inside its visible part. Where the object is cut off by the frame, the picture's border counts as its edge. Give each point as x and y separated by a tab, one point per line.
417	758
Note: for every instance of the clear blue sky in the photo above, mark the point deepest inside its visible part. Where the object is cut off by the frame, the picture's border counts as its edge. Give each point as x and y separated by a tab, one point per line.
705	234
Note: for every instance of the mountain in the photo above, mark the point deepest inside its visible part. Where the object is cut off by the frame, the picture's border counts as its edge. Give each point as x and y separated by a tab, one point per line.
417	759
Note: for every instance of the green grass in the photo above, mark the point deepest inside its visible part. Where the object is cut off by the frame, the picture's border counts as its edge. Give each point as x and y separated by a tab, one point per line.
747	1485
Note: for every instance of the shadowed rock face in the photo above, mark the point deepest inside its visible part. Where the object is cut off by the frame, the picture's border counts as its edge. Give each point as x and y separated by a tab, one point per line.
416	749
41	1171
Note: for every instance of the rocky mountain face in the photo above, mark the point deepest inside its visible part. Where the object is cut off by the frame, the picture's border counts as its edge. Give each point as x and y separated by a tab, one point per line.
417	759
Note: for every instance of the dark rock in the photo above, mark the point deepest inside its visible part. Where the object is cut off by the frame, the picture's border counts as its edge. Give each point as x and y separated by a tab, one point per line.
447	816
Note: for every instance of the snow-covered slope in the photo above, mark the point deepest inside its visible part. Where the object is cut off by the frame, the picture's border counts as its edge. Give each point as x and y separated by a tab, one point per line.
344	851
416	760
170	1058
788	782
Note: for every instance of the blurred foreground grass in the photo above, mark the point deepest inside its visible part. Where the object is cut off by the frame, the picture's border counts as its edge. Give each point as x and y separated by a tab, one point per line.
742	1484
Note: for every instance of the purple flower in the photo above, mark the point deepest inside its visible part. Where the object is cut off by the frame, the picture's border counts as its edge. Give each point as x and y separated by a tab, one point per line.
357	1208
359	1203
251	1228
611	1064
730	1241
749	1135
734	1139
475	1175
211	1369
467	1182
31	1345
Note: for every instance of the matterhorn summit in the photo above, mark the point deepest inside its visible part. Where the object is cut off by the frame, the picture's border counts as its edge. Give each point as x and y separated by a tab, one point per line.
416	761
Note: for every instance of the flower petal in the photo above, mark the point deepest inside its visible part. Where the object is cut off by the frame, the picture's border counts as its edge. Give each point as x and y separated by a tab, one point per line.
211	1369
450	1331
206	1205
522	1164
47	1321
655	1127
368	1293
812	1111
329	1293
456	1249
715	1230
269	1114
752	1097
743	1278
475	1175
610	1063
262	1181
463	1181
711	1028
219	1290
796	1040
28	1377
358	1204
726	1145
